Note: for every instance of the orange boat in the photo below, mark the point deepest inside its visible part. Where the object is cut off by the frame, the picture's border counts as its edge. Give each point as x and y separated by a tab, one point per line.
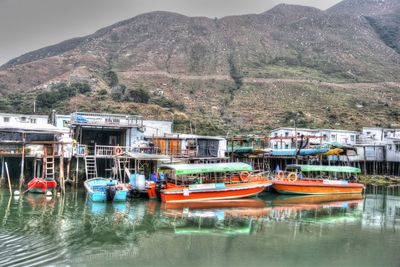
293	183
203	182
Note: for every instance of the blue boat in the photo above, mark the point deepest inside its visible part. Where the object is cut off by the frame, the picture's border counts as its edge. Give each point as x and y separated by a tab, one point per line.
105	190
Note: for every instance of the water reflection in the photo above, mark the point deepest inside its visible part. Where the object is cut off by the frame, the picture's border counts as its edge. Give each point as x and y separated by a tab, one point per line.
321	209
74	231
381	212
215	217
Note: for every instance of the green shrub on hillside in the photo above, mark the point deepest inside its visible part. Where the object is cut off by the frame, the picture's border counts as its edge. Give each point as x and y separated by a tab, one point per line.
137	95
59	93
82	88
235	72
111	78
118	92
168	103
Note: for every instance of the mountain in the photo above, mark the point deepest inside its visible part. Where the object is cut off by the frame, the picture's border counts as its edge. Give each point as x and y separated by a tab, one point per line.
365	7
334	68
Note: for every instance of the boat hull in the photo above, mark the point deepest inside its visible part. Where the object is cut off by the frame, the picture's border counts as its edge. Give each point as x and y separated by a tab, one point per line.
96	190
316	188
174	195
41	186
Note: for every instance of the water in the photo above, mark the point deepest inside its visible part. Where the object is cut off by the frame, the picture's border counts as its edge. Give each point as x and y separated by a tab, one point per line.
269	231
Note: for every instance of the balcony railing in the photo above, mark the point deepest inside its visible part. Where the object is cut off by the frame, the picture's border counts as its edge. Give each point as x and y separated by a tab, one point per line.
104	151
104	119
188	153
110	151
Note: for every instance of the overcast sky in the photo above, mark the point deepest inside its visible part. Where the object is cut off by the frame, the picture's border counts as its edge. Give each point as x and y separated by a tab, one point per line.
26	25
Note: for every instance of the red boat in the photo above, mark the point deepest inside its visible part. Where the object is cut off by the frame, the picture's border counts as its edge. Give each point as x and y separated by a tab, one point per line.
41	185
204	182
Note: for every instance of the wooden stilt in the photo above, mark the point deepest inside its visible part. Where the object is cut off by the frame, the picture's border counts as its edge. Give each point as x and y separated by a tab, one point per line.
38	171
21	177
77	170
69	169
44	165
8	178
34	167
2	180
62	182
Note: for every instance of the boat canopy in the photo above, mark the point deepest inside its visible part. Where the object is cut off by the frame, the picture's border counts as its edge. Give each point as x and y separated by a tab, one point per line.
323	168
184	169
302	152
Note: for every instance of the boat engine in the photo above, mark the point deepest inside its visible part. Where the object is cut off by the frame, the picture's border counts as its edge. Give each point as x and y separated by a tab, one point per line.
111	190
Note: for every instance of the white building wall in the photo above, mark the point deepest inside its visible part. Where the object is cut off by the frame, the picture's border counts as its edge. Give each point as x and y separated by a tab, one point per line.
357	156
157	128
340	136
379	134
62	120
393	150
330	135
286	142
222	148
133	135
375	134
23	118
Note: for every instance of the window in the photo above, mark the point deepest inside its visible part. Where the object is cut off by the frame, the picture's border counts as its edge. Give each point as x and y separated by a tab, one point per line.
333	136
286	134
276	146
397	211
6	119
65	123
286	146
352	137
397	147
32	120
276	134
325	137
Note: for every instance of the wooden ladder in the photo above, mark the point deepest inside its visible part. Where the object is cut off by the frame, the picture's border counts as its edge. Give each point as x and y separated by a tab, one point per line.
90	167
49	167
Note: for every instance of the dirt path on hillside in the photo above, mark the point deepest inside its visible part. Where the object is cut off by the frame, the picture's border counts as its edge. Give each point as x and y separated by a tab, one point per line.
137	74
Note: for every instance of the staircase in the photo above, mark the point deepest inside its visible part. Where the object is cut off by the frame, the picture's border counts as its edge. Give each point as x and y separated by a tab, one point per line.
90	167
49	167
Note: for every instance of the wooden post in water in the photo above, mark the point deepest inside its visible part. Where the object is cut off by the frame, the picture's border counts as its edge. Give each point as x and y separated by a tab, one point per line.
21	177
68	169
2	180
8	178
62	184
34	167
77	170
